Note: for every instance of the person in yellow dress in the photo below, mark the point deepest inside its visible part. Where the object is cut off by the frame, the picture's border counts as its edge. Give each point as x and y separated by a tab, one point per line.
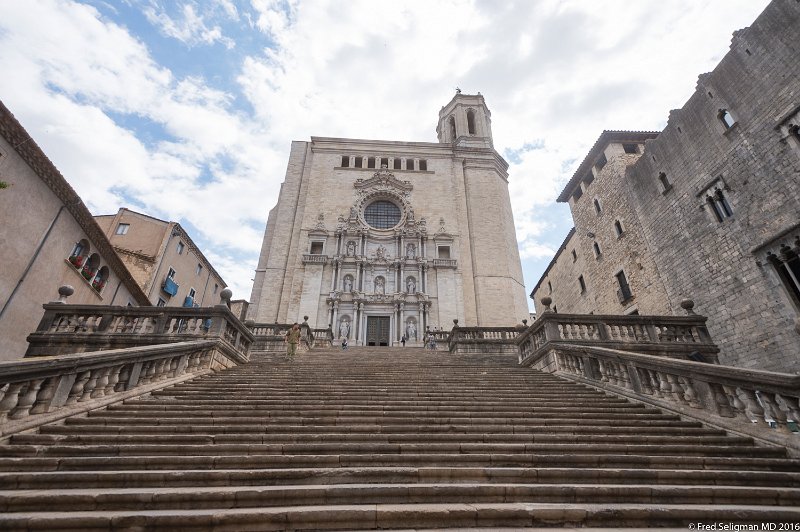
292	339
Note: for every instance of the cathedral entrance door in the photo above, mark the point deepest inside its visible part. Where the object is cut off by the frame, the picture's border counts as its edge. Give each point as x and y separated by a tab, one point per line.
378	330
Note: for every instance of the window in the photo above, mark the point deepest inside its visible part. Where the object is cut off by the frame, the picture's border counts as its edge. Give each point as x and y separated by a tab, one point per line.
471	122
582	283
180	247
597	208
550	286
618	228
443	252
667	186
359	162
161	303
316	248
601	162
423	164
555	309
371	162
397	163
574	256
192	293
345	161
597	252
726	118
787	264
630	148
99	281
577	194
216	287
624	292
589	178
171	273
409	164
122	229
79	253
198	270
452	123
384	162
382	214
719	205
795	132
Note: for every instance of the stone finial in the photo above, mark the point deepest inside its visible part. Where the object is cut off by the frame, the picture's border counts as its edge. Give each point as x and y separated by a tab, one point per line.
688	305
249	323
546	301
64	291
225	297
455	322
305	319
525	323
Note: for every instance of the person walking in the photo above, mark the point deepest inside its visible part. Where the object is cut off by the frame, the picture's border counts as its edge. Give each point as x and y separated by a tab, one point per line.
292	339
344	343
403	340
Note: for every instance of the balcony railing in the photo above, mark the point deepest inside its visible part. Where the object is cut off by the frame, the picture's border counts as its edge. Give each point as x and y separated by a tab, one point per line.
314	259
445	263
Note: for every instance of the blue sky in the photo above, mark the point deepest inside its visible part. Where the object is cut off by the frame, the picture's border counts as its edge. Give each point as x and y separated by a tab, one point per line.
185	109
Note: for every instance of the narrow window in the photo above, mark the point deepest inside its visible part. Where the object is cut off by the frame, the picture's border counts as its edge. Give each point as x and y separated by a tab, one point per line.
192	293
597	252
582	283
714	208
618	228
471	121
577	194
452	123
726	118
199	269
724	206
795	132
788	268
409	164
624	291
574	256
122	229
180	247
171	273
359	162
597	206
601	162
423	164
316	248
630	148
345	161
444	252
161	303
397	162
384	162
710	95
371	162
589	178
550	286
216	287
664	182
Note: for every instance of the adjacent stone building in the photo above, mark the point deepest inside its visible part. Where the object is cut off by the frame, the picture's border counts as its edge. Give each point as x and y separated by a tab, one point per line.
714	203
384	239
163	259
49	239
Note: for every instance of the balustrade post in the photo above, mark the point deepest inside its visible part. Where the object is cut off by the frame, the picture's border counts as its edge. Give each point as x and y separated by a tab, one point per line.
63	390
10	398
45	396
27	399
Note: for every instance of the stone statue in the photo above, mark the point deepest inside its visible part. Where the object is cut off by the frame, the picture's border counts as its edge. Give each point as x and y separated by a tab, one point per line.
344	329
411	251
411	331
411	285
380	253
351	249
348	284
380	285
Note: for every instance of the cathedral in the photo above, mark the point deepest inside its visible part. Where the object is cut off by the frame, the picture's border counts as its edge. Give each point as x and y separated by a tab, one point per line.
384	240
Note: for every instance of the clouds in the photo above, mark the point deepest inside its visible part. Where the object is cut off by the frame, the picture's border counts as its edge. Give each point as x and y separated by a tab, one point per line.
187	108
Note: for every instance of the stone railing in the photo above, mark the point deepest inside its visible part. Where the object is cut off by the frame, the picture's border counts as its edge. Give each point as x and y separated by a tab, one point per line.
81	328
760	404
314	259
323	337
442	339
269	337
445	263
485	340
672	336
42	390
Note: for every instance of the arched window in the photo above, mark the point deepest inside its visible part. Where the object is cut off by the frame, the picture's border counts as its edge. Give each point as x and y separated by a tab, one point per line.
100	280
79	253
452	123
794	131
91	266
726	118
471	122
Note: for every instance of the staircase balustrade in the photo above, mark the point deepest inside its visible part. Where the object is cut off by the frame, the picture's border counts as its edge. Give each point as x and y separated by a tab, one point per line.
670	336
761	404
66	329
488	340
269	337
41	390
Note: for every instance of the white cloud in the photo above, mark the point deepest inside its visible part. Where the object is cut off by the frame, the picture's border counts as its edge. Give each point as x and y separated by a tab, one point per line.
190	28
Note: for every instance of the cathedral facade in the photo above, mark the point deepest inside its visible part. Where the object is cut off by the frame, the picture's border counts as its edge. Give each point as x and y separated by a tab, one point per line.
383	239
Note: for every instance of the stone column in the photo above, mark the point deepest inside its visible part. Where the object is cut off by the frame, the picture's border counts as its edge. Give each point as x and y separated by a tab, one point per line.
334	324
424	280
334	275
357	322
357	284
403	317
423	321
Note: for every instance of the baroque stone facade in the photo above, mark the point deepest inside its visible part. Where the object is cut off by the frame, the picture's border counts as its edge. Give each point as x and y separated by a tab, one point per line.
715	202
384	239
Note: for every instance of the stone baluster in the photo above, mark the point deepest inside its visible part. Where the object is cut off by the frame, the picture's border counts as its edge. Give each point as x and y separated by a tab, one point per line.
76	392
27	399
123	376
48	390
625	378
790	406
752	410
10	398
101	383
773	412
644	379
659	383
724	408
113	379
689	393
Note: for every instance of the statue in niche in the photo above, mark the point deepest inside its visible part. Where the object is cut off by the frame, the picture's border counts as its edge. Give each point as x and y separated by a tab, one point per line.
411	331
411	285
380	253
410	215
380	285
351	249
411	251
353	214
344	329
348	283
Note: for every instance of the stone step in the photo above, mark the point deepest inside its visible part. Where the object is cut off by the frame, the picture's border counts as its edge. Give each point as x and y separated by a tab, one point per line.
170	498
339	475
404	516
740	462
741	447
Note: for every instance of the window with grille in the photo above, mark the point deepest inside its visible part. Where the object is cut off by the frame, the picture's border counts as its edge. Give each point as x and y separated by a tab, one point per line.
382	214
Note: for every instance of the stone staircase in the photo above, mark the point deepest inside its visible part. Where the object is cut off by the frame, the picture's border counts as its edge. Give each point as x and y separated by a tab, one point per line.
386	438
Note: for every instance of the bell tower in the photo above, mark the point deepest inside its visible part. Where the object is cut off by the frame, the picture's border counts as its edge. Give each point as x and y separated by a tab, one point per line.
465	122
